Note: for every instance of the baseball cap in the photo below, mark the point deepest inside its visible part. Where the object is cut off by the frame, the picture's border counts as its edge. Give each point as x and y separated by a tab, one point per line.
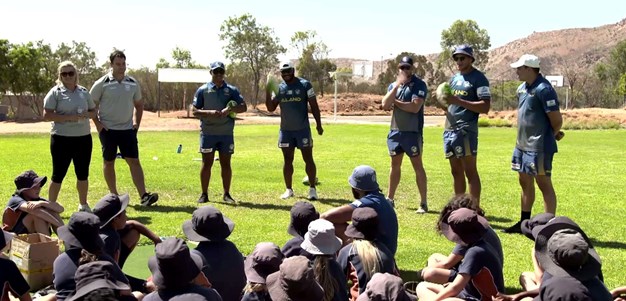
286	65
464	49
527	60
363	178
217	65
406	61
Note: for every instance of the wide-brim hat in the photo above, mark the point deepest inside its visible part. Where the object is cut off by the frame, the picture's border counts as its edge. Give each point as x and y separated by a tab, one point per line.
96	275
591	267
110	206
365	224
321	238
302	214
208	224
173	264
83	231
27	180
263	261
363	178
464	226
295	281
538	220
385	287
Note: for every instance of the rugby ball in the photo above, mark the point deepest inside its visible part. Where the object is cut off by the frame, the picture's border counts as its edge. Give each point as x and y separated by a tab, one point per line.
305	181
443	91
231	104
272	84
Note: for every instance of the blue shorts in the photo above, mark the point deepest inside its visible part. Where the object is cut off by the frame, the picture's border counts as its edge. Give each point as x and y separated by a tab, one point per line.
532	163
220	143
460	143
300	139
407	142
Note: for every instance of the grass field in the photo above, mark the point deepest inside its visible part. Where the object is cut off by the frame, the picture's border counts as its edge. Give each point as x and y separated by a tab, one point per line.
589	175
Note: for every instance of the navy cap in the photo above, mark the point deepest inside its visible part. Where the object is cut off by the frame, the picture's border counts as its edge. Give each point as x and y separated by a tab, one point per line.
217	65
363	178
406	61
464	49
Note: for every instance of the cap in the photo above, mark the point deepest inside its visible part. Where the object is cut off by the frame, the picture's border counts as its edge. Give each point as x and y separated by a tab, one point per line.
527	60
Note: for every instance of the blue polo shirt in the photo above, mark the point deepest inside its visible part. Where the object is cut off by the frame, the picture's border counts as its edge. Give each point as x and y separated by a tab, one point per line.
534	131
491	238
481	263
402	120
211	97
223	266
388	226
293	100
473	87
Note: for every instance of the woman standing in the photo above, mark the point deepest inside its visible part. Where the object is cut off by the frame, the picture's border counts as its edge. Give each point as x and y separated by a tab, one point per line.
69	106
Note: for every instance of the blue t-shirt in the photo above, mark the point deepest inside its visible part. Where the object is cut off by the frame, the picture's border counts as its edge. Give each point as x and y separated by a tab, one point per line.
402	120
211	97
534	131
491	237
481	263
293	101
473	87
388	226
223	266
350	262
595	289
292	248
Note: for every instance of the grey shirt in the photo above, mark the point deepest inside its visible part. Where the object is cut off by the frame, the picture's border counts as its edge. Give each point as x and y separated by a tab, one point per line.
116	101
66	102
402	120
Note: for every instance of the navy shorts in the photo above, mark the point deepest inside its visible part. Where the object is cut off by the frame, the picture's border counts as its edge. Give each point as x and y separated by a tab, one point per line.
220	143
532	163
460	143
407	142
126	140
300	139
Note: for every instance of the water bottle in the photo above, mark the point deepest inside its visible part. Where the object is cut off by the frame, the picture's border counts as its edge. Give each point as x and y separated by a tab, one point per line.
180	149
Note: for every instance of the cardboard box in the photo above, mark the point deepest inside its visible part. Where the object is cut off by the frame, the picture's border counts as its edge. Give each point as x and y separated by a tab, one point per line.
34	255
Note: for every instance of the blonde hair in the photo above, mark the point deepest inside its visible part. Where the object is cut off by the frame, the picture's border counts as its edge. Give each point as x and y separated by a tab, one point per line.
321	269
63	64
369	255
254	287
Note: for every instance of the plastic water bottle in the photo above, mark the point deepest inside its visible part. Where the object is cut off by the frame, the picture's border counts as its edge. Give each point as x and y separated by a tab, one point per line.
180	149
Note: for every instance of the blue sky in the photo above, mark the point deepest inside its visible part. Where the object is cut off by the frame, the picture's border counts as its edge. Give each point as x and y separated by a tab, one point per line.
149	30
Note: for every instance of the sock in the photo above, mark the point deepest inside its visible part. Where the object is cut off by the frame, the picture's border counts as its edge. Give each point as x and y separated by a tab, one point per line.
525	215
420	278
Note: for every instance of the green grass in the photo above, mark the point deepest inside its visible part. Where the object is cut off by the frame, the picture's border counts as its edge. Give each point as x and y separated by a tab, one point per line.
488	122
589	175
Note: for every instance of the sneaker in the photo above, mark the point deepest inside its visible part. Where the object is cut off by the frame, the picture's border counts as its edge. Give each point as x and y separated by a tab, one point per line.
312	194
423	208
392	202
149	198
84	208
204	198
517	228
287	194
229	199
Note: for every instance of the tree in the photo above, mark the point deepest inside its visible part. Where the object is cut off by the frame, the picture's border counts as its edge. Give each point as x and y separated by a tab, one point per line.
423	69
465	32
254	45
83	57
313	63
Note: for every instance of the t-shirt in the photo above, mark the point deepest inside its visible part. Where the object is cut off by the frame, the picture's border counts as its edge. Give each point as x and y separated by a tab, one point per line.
491	238
388	225
65	102
15	215
112	240
11	279
65	267
116	101
292	248
191	292
402	120
211	97
350	262
293	101
473	87
223	267
481	263
594	286
534	131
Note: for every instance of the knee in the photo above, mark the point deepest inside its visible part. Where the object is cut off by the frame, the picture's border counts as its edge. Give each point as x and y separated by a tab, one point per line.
429	274
110	164
457	172
133	162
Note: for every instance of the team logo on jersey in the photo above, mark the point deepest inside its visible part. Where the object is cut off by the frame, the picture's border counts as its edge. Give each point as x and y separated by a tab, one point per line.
289	92
305	141
421	93
551	102
414	149
127	87
458	149
226	90
297	91
466	84
82	96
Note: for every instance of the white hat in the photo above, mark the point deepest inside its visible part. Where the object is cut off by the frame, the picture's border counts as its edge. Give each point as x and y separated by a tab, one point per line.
527	60
321	239
286	65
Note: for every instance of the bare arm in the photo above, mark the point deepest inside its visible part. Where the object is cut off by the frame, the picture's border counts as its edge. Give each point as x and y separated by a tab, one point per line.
412	107
315	110
556	121
481	106
138	113
454	288
37	209
143	230
338	215
51	115
270	103
53	206
450	262
619	291
206	113
390	97
96	120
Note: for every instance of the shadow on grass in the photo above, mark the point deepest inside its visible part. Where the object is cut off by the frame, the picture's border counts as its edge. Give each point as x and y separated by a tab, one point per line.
331	201
146	220
162	208
497	219
433	212
608	244
411	275
260	206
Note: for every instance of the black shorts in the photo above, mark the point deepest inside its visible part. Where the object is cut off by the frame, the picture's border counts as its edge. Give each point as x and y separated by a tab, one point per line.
64	150
126	140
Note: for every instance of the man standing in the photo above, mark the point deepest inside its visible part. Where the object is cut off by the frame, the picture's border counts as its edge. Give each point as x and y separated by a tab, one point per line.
406	98
538	128
294	96
116	96
213	104
470	97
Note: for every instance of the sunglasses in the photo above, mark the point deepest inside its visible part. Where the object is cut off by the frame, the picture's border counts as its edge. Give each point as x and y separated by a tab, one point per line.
405	67
66	74
458	58
218	71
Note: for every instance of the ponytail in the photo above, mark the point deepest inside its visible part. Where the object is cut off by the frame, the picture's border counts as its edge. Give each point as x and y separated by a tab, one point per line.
321	268
369	255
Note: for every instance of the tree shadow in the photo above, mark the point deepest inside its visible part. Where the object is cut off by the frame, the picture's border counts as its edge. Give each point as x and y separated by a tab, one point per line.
608	244
164	208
